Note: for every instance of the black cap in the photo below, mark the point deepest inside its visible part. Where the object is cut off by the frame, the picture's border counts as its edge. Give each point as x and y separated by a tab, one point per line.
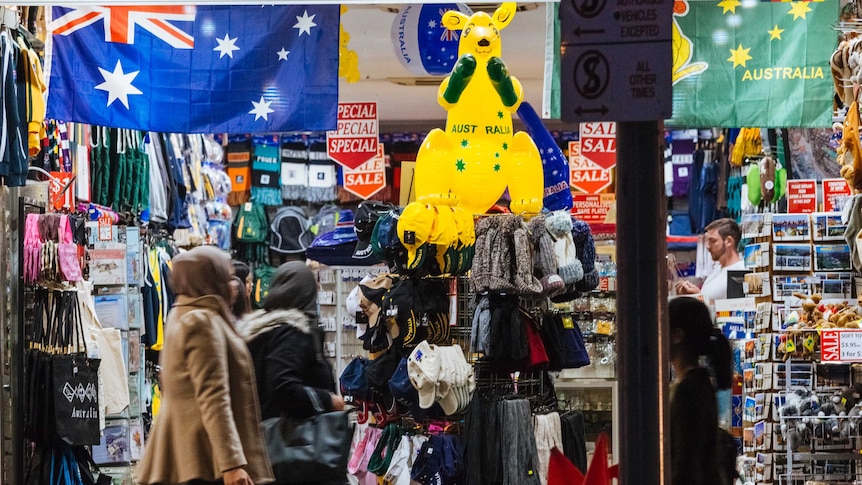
363	223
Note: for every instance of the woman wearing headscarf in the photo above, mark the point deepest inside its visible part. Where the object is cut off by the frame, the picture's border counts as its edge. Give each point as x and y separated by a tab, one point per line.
285	340
208	426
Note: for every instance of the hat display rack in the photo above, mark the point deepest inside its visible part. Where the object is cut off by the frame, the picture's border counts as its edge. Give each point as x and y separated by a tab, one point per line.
519	261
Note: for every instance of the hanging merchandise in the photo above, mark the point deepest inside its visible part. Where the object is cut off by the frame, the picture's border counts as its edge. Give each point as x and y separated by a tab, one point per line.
70	371
14	130
290	231
294	169
748	144
850	151
336	246
250	231
322	180
157	211
265	171
263	276
239	152
100	164
367	215
178	203
31	82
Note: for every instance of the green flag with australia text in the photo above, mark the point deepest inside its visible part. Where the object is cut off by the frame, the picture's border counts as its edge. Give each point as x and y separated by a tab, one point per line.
752	63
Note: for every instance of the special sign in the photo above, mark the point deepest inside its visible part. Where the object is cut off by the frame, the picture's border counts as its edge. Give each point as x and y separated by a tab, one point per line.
356	139
369	178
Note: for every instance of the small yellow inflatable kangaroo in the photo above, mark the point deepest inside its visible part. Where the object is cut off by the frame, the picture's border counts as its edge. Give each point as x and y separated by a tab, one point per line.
478	156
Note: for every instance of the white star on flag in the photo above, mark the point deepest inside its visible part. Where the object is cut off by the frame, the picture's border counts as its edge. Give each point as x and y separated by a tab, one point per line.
261	109
282	54
118	84
305	23
432	24
226	46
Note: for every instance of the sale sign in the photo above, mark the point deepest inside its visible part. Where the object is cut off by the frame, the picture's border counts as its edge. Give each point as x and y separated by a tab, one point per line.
836	193
369	178
801	196
356	139
841	345
599	143
584	174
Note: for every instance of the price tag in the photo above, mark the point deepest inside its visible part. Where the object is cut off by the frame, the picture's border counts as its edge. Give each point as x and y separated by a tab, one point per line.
791	345
568	323
809	343
603	327
106	229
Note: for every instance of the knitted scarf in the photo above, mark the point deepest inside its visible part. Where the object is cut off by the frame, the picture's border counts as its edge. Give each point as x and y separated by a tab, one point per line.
265	176
239	170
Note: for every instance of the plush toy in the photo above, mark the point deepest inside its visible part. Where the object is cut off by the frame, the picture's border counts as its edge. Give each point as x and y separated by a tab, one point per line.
799	417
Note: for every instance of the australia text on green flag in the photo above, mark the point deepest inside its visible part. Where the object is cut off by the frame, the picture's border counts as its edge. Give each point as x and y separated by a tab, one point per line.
751	63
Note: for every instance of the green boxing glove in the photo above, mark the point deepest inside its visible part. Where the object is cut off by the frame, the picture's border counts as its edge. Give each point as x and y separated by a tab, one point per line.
461	75
502	81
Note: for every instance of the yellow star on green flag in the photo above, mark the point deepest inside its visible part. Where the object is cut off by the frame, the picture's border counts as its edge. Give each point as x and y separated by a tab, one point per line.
753	63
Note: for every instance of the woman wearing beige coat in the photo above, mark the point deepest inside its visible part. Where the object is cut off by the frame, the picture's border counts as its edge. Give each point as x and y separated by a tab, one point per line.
208	426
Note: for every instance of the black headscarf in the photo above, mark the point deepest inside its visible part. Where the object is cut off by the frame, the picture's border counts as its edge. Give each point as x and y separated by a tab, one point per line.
294	286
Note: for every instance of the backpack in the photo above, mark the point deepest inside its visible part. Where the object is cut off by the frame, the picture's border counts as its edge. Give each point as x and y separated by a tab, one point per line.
263	276
249	226
290	231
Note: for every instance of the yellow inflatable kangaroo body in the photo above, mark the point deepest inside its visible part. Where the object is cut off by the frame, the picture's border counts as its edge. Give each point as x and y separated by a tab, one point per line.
478	156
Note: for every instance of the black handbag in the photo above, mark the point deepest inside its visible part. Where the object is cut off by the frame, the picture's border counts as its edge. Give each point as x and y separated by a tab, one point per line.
314	449
318	447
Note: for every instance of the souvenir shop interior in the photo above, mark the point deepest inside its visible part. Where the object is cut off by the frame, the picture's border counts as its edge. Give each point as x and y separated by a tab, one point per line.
465	335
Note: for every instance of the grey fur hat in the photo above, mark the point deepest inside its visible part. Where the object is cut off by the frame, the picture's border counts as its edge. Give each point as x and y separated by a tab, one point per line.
544	260
525	282
559	225
502	253
481	271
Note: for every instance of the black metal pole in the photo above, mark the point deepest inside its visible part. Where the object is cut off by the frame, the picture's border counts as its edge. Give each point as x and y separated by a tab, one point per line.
642	342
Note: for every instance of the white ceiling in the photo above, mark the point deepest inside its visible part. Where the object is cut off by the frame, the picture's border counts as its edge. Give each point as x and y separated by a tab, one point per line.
369	29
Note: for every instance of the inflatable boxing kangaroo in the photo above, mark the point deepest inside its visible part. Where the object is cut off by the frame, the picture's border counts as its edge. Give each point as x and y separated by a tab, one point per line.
478	156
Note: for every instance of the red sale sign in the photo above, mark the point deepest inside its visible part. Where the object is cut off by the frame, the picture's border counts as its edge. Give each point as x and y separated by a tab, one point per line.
356	139
599	143
836	192
584	174
801	196
843	345
369	178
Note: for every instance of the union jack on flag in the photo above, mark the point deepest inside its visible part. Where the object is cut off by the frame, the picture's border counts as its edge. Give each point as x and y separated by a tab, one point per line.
120	22
204	69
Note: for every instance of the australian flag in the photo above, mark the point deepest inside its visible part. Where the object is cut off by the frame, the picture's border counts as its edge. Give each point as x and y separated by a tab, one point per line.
195	69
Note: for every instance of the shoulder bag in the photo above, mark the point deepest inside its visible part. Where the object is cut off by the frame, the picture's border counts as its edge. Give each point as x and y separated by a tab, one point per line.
317	447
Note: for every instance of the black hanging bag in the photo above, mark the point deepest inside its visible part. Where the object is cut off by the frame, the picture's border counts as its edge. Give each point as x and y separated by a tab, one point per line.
75	377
